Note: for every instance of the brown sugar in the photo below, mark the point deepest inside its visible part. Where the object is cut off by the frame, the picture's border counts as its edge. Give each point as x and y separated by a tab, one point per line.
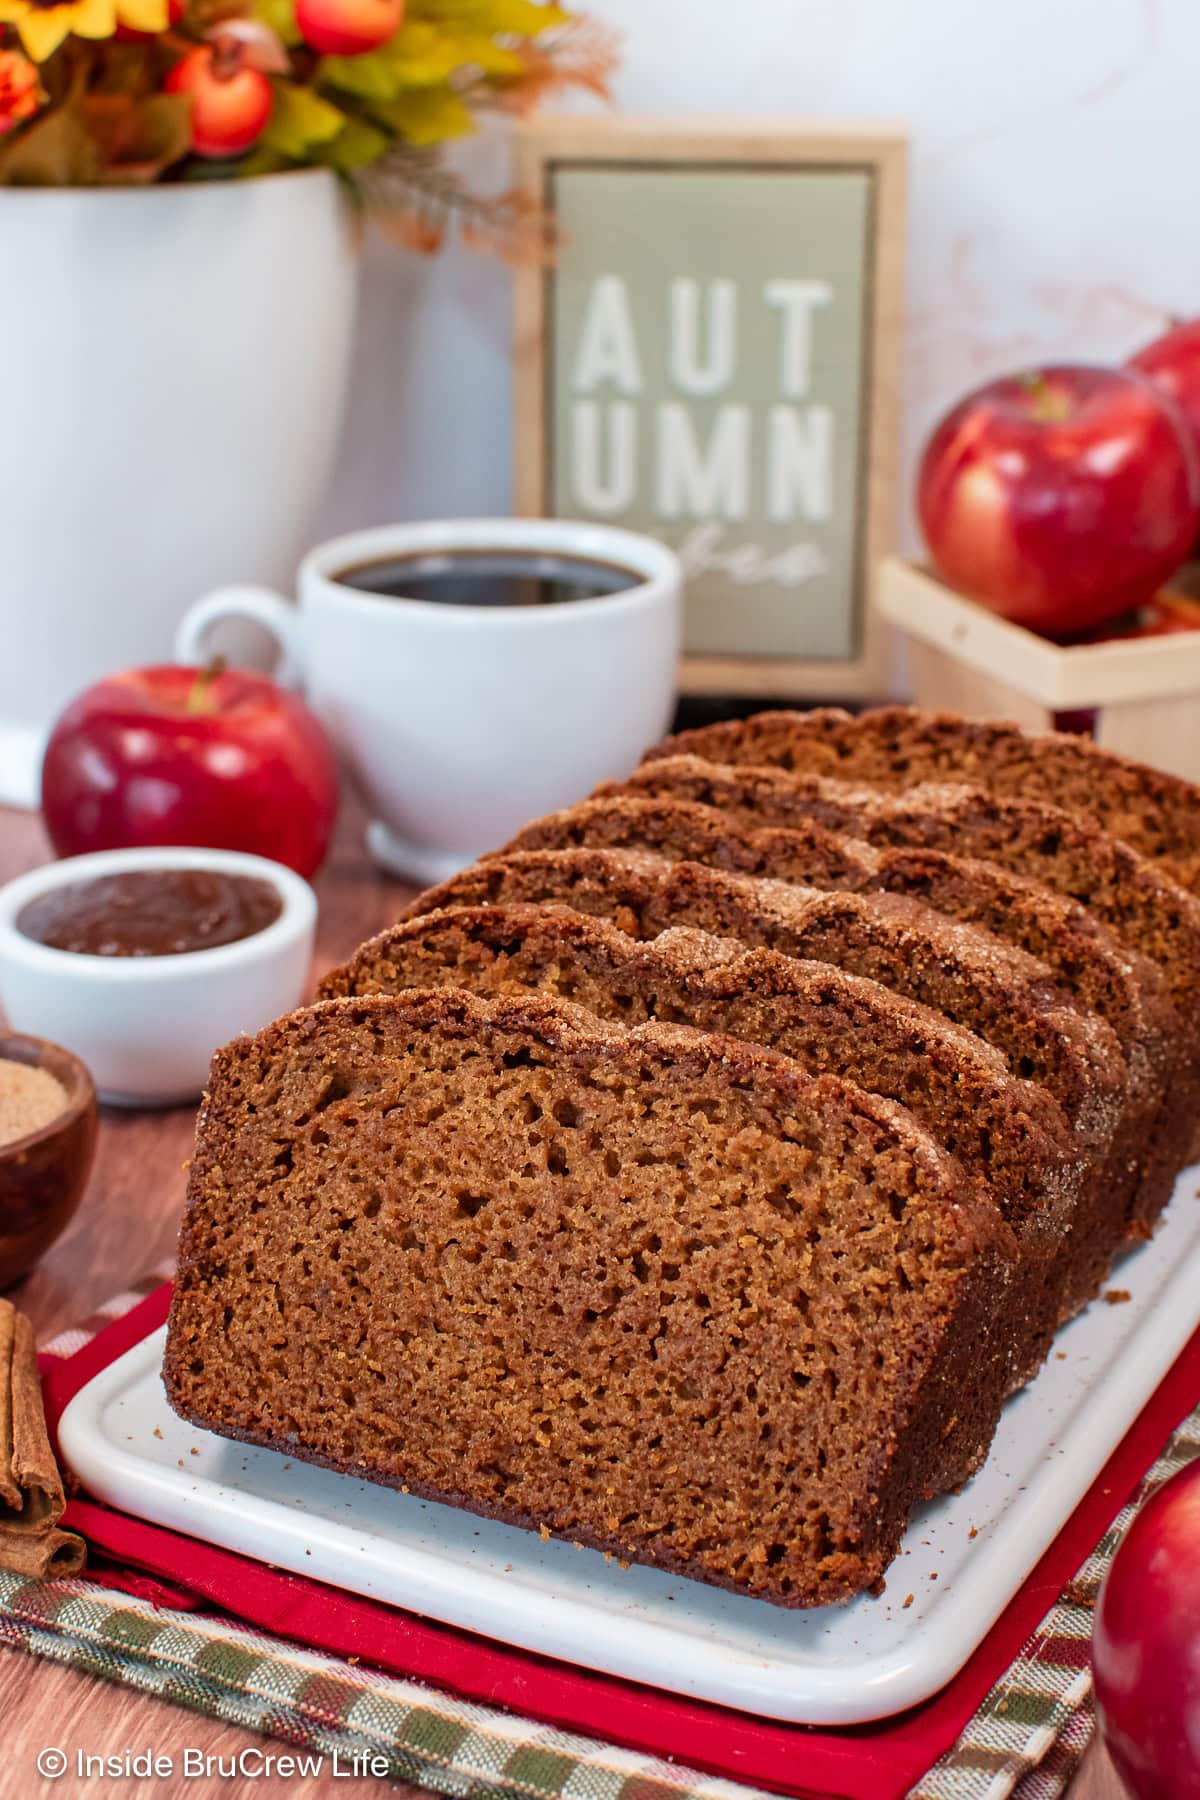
30	1099
561	1258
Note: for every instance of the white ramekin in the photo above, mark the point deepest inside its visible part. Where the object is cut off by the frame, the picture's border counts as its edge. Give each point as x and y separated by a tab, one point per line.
147	1026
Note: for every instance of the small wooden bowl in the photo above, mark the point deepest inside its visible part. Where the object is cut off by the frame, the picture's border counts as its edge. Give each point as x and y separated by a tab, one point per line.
44	1173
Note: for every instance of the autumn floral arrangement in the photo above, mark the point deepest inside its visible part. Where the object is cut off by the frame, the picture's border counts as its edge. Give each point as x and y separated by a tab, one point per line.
111	92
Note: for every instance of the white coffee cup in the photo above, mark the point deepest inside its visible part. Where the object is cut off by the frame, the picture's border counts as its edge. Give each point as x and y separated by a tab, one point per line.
460	723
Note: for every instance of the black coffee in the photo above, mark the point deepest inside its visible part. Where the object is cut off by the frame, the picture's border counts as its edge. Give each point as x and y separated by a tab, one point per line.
489	578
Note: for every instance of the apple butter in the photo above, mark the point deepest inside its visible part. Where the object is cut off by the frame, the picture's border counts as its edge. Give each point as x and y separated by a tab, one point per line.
151	912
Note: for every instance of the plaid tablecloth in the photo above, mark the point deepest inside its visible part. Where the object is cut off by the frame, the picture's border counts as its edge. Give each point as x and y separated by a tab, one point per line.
1026	1740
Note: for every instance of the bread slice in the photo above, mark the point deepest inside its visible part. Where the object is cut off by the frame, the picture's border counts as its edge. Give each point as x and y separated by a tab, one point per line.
897	747
1152	915
1066	851
1006	1133
658	1292
1121	985
1007	998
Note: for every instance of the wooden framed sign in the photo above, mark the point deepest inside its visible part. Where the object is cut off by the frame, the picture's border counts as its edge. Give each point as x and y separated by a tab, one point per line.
712	359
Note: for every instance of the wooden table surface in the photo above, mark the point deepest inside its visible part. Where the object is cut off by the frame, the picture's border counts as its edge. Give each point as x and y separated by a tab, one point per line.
126	1225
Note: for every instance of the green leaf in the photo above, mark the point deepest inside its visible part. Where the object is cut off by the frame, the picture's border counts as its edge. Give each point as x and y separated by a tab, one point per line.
280	15
509	18
262	160
473	50
423	55
373	77
523	18
428	116
355	146
300	119
418	56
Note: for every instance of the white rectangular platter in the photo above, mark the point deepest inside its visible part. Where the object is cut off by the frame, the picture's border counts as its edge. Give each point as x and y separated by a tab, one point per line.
964	1557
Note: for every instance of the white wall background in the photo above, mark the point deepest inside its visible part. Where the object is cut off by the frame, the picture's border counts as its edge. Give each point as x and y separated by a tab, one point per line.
1052	208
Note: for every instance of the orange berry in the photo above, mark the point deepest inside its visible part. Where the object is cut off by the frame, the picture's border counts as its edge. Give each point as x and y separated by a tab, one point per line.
348	27
231	102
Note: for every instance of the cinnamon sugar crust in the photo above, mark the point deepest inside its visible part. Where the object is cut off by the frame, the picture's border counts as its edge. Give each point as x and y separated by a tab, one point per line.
898	747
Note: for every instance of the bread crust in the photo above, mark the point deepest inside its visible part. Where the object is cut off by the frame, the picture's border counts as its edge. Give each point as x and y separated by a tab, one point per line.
900	746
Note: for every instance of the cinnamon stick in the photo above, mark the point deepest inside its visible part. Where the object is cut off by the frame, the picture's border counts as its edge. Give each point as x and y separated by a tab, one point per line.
31	1491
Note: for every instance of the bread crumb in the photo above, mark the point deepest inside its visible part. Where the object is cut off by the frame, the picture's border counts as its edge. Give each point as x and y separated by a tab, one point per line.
974	1532
158	1431
933	1576
193	1451
907	1601
1060	1356
1117	1296
544	1532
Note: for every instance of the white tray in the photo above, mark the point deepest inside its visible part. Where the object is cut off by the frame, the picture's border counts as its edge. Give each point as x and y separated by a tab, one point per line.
839	1665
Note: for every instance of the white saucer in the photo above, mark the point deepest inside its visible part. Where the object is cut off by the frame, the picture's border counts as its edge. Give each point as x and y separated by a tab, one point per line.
414	862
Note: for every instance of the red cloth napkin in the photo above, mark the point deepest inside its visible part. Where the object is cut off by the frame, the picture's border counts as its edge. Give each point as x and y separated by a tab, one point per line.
867	1762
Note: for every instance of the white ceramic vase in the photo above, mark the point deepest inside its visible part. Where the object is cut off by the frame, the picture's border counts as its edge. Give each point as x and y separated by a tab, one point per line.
176	363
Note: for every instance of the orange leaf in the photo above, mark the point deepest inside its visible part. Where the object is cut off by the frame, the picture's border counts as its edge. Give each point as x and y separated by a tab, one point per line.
137	138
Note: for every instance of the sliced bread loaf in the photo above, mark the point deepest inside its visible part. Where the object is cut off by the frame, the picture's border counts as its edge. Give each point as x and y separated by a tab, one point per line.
897	747
659	1292
1007	998
1067	852
1123	987
1007	1133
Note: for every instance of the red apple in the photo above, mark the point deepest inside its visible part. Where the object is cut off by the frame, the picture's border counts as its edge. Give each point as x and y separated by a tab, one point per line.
348	27
1173	363
1146	1646
223	759
1060	499
231	100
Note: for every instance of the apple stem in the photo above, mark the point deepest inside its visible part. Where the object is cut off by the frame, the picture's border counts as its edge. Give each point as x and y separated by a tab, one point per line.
1047	403
199	699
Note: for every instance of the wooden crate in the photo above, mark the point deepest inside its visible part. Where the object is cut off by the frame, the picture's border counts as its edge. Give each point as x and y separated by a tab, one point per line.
1145	692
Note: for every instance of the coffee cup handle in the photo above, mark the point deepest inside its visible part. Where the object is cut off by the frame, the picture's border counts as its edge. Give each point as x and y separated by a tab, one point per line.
260	605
